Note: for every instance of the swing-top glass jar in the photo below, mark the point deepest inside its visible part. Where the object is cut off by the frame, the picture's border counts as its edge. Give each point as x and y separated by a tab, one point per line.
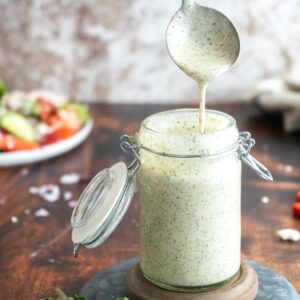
190	186
190	194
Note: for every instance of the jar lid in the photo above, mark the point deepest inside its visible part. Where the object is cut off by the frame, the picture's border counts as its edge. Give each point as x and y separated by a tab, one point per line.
102	206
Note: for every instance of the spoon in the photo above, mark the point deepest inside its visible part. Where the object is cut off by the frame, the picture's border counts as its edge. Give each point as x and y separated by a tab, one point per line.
203	43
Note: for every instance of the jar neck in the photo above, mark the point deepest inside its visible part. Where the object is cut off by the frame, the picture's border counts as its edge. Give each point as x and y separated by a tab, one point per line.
175	133
222	152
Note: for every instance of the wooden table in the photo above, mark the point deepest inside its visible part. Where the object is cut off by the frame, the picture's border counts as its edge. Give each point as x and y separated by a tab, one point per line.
36	253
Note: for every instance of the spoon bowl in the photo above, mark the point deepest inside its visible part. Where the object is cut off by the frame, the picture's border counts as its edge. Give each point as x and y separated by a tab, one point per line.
202	41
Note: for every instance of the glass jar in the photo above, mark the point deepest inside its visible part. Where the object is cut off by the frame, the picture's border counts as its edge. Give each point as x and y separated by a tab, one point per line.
190	195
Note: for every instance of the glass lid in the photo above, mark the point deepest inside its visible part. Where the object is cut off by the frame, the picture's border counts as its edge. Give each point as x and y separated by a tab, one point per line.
102	206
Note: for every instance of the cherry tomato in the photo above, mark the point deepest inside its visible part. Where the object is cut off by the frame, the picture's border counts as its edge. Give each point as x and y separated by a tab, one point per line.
9	142
65	118
296	209
45	109
298	197
57	136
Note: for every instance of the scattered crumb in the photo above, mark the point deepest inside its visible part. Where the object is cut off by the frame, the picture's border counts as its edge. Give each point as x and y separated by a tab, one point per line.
68	195
2	200
27	211
51	260
71	178
24	171
288	169
265	200
33	190
42	213
289	235
72	203
14	219
48	192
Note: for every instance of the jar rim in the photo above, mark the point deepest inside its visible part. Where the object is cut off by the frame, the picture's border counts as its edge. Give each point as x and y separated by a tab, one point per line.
231	123
205	147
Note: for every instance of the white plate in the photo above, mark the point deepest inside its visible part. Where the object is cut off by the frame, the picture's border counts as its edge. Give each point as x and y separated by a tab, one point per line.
17	158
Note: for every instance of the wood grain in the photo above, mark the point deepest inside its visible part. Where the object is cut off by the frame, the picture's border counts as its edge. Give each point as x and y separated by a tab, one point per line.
36	253
243	286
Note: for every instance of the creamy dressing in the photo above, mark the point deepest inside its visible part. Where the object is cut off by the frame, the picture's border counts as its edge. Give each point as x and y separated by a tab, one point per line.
189	207
204	44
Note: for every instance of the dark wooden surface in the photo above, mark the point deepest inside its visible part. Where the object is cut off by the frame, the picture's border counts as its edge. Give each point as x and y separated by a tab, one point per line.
35	253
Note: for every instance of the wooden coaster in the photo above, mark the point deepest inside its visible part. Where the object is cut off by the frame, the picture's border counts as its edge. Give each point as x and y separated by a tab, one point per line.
243	287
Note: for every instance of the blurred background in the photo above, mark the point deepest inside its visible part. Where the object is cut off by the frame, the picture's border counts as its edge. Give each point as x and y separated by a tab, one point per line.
114	51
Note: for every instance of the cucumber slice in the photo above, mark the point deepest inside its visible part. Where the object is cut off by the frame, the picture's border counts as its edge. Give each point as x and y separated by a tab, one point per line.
81	110
18	125
2	88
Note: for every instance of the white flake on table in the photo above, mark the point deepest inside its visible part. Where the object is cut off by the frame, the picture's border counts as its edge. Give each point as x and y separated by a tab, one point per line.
42	213
24	171
48	192
27	211
285	168
2	200
68	195
70	178
33	190
14	219
265	200
289	234
288	169
72	204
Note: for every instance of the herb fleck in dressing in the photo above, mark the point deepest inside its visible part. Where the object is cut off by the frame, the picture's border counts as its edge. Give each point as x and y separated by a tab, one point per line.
189	207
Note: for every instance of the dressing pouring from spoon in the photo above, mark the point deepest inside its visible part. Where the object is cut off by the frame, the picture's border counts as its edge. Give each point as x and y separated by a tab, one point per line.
204	44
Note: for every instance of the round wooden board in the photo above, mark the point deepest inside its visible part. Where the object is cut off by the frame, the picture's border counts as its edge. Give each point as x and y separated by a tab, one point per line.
242	287
111	284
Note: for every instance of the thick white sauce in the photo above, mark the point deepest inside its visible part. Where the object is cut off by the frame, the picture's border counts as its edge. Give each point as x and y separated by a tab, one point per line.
189	207
204	44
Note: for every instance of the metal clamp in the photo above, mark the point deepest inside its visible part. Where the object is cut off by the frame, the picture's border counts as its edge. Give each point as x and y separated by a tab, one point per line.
129	148
76	248
246	143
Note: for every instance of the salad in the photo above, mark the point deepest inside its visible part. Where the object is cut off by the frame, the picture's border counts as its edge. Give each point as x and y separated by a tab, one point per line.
38	118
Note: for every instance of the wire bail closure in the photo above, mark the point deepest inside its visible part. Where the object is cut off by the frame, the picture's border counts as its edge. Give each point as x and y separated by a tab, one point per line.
246	143
128	147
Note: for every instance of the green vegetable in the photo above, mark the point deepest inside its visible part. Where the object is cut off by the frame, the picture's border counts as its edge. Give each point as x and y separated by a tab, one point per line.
18	125
30	108
2	88
81	110
60	295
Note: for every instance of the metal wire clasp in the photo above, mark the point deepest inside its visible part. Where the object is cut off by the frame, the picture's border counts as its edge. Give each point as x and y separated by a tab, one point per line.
246	143
128	147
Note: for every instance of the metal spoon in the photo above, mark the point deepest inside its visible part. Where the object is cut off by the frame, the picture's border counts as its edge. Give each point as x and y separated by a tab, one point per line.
202	42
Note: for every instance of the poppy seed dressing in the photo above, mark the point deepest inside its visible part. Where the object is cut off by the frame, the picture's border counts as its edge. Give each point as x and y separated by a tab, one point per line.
189	199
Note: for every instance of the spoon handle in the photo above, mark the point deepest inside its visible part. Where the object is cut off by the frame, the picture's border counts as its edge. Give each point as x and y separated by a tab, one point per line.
187	3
